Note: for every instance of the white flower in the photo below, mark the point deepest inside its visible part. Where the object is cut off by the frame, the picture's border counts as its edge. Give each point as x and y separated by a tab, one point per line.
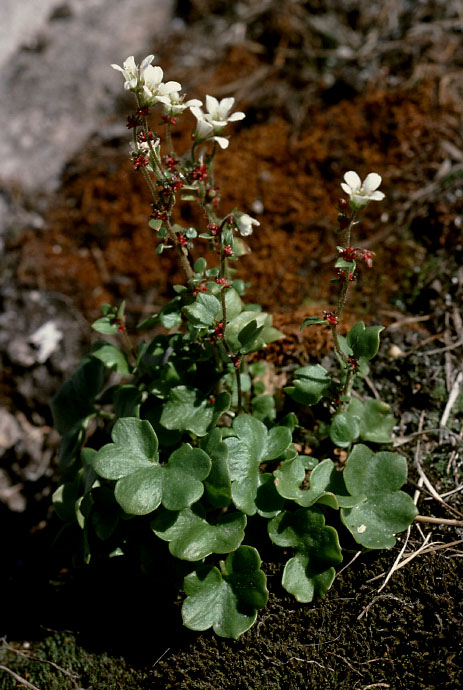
204	129
361	193
211	124
177	104
217	113
155	90
244	224
132	73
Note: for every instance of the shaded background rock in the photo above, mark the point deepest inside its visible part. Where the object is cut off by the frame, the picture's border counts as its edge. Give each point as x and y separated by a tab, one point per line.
57	86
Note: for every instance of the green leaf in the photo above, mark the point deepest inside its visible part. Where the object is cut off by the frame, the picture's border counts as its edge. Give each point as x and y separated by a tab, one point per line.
310	572
127	401
187	409
233	304
132	460
376	423
270	335
263	408
345	429
205	310
310	384
227	602
345	265
192	538
240	286
65	499
218	484
250	446
369	420
155	223
312	321
265	333
182	480
105	514
382	510
249	333
268	501
73	403
105	325
111	356
259	387
152	411
142	483
135	447
199	265
364	342
149	322
170	315
258	369
326	482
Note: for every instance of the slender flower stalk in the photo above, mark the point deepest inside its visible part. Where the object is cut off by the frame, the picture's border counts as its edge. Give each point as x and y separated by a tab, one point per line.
360	194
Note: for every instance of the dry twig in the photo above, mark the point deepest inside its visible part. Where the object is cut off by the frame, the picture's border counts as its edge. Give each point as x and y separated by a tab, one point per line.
19	678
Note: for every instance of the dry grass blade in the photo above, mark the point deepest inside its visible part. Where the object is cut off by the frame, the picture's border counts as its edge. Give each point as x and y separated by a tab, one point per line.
415	500
373	601
424	549
439	521
27	655
454	393
21	680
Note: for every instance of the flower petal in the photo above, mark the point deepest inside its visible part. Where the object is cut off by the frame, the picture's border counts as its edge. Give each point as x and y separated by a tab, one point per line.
234	117
226	104
353	180
212	105
118	67
346	188
371	182
146	61
169	87
377	196
203	129
197	112
193	102
130	64
153	76
222	142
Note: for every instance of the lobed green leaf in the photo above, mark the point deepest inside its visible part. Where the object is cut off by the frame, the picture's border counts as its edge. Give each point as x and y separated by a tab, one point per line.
226	602
381	510
191	537
310	384
310	572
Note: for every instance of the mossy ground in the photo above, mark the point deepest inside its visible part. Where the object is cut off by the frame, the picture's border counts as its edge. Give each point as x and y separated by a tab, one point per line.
124	636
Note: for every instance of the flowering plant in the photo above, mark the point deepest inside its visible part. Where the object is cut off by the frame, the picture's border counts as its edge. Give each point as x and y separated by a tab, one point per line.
175	438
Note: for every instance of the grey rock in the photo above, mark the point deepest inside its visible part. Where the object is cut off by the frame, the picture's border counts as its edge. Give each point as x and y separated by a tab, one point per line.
61	88
10	431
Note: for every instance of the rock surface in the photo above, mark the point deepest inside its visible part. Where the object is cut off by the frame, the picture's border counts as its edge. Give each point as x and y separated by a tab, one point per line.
56	84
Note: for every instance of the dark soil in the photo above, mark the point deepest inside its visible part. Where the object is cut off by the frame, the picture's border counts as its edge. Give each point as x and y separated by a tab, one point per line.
393	104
